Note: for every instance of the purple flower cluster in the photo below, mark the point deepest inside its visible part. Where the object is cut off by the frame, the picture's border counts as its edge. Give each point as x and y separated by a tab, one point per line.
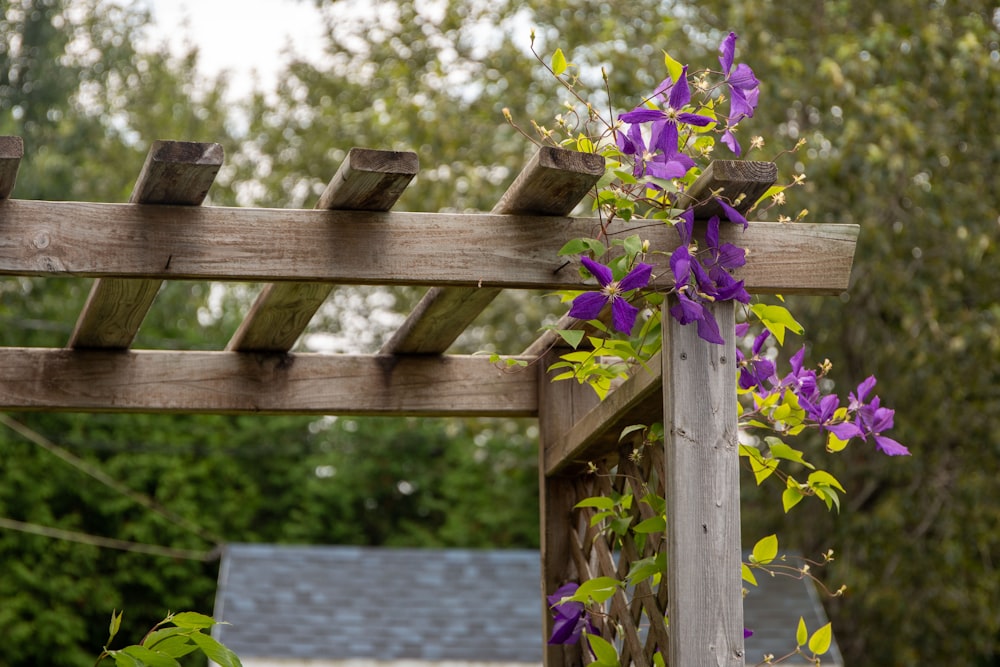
700	281
744	91
863	418
570	619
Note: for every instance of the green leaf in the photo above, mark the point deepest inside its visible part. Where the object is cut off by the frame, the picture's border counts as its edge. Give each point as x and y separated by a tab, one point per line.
748	575
216	651
123	659
558	62
674	68
149	658
571	336
820	641
631	429
765	550
176	647
776	319
116	624
791	497
193	620
647	567
656	524
600	502
801	634
780	450
825	478
771	191
604	651
596	590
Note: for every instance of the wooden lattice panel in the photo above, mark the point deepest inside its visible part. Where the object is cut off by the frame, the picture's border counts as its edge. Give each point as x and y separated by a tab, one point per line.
633	618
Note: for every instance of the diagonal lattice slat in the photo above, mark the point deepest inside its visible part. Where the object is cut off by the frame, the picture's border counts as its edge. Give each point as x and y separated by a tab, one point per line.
634	622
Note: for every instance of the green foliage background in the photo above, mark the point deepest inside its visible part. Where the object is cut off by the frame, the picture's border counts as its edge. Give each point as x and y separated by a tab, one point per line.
898	101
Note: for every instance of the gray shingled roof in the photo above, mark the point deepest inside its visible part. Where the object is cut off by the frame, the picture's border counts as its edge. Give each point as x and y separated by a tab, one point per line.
335	603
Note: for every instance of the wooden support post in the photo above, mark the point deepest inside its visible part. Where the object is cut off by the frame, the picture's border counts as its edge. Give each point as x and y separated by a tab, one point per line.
11	152
560	405
703	497
552	183
368	180
176	173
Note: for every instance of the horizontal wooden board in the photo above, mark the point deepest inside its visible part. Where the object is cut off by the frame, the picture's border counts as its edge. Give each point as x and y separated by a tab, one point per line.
355	247
43	379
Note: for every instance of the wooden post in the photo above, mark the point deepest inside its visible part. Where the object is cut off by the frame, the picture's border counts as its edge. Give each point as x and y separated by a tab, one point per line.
703	497
560	405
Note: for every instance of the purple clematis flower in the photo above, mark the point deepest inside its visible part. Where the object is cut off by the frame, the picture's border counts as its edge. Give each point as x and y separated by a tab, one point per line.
677	95
874	420
588	306
570	618
661	159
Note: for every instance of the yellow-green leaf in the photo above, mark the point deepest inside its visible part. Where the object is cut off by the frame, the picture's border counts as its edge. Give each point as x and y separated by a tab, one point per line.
558	62
674	68
823	477
791	497
802	634
748	575
819	643
765	550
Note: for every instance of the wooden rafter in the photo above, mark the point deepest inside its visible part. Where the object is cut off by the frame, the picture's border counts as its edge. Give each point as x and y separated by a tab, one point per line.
176	173
551	184
11	152
368	180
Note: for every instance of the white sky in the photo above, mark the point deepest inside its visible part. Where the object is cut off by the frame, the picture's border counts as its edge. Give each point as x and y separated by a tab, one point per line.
242	36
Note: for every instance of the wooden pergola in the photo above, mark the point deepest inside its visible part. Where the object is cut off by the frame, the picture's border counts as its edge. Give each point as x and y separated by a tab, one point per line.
353	237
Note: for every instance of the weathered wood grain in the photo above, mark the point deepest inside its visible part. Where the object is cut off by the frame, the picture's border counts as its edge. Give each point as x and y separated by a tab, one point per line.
552	183
40	379
740	182
355	247
594	434
702	494
175	173
560	405
367	180
11	152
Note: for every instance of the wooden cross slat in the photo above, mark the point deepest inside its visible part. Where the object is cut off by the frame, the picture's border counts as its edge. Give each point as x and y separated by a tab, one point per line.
552	183
176	173
367	180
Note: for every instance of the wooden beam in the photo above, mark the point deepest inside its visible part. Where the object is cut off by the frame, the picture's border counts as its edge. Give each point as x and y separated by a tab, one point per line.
41	379
368	180
176	173
552	183
594	434
355	247
11	152
702	494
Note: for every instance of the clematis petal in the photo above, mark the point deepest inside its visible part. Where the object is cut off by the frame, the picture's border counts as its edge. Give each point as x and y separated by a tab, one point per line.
728	50
667	168
845	430
890	447
663	137
743	78
686	311
642	115
758	342
708	329
685	227
732	214
637	278
598	270
731	256
680	94
588	306
680	265
712	232
729	139
694	119
623	315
